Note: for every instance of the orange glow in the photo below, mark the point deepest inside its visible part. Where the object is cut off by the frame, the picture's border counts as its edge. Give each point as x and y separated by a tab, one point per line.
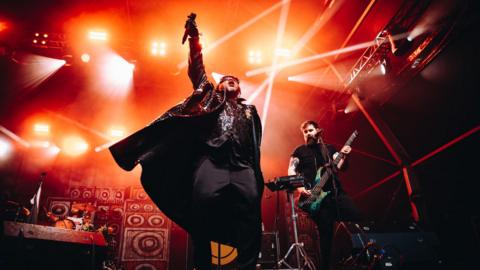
3	26
74	146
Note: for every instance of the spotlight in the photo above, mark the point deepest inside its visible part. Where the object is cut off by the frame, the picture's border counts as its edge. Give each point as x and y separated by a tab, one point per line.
37	34
85	57
384	68
45	35
5	148
158	48
41	129
254	57
35	41
96	35
43	42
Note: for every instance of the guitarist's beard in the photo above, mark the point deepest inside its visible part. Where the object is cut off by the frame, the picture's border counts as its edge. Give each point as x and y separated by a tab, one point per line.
311	140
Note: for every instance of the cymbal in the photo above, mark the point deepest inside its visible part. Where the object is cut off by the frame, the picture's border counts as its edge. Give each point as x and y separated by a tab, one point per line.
84	207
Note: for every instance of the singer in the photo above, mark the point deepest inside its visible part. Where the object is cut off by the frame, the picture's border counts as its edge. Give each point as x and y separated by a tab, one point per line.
201	163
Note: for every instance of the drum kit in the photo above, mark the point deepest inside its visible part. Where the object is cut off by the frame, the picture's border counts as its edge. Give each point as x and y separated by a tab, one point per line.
79	220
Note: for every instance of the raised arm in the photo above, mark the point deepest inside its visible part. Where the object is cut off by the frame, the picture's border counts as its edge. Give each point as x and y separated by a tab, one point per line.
196	69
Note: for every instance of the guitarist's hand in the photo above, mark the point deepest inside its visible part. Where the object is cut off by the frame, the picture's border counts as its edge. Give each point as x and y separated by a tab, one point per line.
304	191
346	149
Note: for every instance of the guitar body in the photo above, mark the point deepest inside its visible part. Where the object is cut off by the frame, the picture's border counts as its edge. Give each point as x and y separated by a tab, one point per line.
311	204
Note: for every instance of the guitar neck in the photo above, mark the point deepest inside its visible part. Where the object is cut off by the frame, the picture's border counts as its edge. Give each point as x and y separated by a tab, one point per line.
326	175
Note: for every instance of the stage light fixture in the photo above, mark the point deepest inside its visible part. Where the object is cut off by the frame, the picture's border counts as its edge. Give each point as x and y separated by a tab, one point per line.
43	42
384	68
45	35
35	41
158	48
37	34
85	57
97	35
5	148
255	57
41	129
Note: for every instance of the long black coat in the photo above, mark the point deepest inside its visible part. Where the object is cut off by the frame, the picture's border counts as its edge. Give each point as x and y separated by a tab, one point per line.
168	150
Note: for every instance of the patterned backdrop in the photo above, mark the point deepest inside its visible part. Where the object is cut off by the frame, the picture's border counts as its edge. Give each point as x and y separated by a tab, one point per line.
141	233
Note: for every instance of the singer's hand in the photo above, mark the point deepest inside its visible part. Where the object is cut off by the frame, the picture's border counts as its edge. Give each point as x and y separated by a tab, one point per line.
191	26
346	149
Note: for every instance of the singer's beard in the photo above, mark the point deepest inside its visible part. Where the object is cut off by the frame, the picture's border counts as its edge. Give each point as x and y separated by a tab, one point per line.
311	140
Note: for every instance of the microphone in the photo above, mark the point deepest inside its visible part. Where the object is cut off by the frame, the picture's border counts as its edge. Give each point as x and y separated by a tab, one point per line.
191	20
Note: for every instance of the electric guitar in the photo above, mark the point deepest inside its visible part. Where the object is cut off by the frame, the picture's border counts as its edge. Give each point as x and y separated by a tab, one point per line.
311	203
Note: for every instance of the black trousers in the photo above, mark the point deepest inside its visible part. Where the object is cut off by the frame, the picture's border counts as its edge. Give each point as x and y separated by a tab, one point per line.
331	210
226	204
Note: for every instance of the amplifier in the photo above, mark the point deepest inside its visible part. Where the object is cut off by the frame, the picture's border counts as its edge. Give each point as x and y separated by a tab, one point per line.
269	250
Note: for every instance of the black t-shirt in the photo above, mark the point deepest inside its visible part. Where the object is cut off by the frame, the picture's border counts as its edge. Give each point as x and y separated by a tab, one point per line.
311	160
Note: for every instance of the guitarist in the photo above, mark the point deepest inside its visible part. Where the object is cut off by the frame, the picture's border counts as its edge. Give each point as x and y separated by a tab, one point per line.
307	159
